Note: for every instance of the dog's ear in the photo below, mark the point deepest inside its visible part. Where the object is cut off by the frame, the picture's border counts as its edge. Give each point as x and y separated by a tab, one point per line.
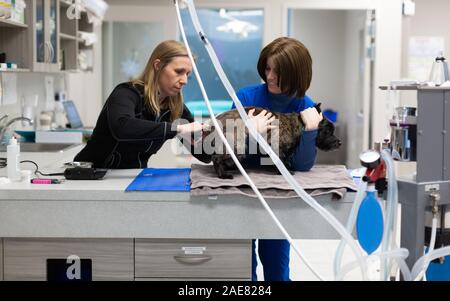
317	106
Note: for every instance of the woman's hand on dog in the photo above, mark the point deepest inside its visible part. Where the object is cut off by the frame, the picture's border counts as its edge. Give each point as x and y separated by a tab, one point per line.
262	121
190	127
311	118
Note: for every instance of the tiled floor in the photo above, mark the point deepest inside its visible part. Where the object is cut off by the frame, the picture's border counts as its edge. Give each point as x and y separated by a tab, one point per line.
320	254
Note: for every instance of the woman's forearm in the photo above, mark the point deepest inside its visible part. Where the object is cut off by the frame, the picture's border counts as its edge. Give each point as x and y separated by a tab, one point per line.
305	154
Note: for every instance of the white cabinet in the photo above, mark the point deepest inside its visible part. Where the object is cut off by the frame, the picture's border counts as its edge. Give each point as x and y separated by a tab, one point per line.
15	40
49	40
25	259
68	42
72	48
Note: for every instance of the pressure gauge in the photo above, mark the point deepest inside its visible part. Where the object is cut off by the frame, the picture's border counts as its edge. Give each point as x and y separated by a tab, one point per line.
370	158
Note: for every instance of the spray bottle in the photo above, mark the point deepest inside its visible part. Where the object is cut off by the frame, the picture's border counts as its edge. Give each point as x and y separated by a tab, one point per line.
12	154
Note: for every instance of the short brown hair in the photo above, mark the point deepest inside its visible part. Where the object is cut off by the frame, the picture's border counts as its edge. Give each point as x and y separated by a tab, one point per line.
293	64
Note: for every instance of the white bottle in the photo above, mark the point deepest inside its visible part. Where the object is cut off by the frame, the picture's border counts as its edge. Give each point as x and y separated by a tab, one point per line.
60	117
12	155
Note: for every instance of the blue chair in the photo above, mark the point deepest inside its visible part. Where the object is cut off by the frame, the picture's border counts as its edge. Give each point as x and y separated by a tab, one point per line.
331	115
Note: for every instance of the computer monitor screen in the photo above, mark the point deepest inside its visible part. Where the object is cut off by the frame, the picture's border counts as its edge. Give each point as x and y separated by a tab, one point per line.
72	115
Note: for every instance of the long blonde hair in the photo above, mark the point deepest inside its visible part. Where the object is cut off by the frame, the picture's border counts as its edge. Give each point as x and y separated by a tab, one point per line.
166	51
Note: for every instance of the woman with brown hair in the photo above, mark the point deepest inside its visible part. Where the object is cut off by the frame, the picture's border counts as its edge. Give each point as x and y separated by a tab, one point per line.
285	65
139	116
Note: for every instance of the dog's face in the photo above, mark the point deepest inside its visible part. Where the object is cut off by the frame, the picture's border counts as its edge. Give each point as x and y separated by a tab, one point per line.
326	140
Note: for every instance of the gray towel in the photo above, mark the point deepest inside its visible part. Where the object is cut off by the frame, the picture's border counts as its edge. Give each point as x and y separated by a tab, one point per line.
321	179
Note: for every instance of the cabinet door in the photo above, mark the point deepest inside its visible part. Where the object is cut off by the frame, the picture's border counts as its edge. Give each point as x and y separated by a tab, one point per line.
45	35
25	259
40	55
53	40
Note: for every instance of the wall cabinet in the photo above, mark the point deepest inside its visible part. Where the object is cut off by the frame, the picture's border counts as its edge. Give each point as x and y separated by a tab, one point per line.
73	50
44	35
68	41
49	40
15	40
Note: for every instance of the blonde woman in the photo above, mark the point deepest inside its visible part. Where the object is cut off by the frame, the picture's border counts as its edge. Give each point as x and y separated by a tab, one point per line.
138	116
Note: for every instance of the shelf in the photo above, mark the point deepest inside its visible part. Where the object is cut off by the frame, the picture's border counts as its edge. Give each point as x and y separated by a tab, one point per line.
16	70
414	88
65	3
72	71
65	36
398	87
12	24
82	45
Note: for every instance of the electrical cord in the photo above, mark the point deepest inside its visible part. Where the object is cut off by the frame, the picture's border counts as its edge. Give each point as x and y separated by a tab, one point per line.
37	172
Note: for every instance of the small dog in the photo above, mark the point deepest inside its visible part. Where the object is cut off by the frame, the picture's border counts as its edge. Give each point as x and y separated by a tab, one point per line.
287	136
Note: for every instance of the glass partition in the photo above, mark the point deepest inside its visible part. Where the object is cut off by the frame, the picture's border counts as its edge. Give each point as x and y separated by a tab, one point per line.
237	37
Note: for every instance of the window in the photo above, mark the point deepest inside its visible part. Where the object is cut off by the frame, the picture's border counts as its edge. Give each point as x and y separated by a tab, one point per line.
236	36
126	49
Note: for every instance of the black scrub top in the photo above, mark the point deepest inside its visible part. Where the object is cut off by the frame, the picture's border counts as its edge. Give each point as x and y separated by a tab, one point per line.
127	133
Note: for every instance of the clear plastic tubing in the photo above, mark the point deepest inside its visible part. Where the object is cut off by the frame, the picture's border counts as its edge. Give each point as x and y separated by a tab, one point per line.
276	160
230	151
391	213
350	226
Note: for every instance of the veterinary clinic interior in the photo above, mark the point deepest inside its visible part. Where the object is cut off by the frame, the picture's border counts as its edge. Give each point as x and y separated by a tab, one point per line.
260	140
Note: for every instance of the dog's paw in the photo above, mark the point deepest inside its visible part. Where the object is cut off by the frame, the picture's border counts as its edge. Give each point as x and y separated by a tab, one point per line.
226	176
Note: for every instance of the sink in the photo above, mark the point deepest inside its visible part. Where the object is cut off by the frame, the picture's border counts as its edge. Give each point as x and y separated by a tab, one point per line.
41	147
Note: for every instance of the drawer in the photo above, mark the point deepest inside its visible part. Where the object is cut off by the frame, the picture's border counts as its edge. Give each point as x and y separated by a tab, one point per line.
219	259
26	259
190	279
1	259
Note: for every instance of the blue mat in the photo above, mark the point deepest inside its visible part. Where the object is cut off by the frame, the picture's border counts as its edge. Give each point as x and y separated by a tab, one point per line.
162	179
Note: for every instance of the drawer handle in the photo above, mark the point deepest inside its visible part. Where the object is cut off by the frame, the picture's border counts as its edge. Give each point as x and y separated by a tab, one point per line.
192	259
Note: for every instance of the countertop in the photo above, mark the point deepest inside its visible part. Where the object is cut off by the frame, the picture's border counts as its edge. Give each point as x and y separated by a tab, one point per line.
102	209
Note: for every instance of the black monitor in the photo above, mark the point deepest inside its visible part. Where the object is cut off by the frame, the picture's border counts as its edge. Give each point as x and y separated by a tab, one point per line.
73	118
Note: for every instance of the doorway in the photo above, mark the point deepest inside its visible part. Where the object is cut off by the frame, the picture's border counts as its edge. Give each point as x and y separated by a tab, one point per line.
341	43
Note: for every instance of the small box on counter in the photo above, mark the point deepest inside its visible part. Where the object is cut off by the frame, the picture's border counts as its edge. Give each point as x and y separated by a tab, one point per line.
59	137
